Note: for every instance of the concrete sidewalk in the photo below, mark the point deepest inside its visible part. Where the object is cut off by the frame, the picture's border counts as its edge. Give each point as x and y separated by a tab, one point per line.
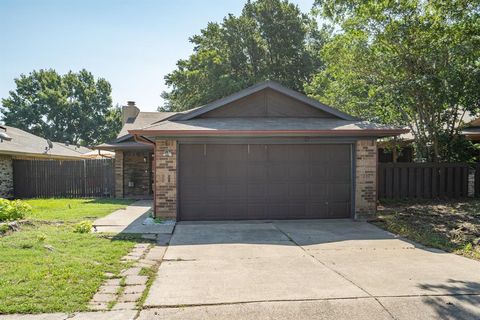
131	219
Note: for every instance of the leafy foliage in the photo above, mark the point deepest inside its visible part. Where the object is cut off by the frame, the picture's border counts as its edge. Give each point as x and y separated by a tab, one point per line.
83	227
74	108
413	63
13	210
271	39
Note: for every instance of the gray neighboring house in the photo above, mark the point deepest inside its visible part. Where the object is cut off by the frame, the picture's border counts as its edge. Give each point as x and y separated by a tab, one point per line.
19	144
266	152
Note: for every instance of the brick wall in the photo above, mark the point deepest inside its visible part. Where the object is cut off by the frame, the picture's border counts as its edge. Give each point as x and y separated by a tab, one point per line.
366	179
137	174
118	174
166	178
6	177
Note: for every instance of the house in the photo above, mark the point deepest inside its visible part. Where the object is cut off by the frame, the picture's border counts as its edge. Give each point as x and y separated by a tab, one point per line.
134	160
396	149
266	152
472	130
19	144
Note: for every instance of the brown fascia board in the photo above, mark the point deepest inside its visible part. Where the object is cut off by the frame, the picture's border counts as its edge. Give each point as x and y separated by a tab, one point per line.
343	133
139	146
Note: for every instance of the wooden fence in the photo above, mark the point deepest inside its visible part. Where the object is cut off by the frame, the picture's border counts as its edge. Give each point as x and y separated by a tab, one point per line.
422	180
63	178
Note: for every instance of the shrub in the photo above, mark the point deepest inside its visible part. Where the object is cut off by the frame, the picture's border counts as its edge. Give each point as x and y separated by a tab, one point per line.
83	227
13	210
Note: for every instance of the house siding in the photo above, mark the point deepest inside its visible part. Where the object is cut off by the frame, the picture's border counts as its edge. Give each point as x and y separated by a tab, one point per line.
366	179
166	178
6	177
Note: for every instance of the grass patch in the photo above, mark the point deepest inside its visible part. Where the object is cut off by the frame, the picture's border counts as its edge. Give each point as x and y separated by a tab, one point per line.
70	210
450	226
150	273
47	267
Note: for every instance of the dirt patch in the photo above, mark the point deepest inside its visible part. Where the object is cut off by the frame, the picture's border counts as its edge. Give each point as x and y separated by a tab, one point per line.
453	226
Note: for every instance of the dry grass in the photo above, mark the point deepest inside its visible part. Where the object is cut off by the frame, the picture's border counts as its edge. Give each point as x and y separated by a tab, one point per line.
453	226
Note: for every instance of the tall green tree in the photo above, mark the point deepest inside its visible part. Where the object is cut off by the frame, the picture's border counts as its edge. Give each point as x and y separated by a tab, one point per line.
74	108
271	39
413	62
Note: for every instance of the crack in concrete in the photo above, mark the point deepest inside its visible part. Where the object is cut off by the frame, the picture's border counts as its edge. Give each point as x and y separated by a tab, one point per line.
333	270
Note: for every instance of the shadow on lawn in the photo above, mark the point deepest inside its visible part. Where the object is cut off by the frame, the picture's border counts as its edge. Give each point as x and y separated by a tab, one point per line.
461	299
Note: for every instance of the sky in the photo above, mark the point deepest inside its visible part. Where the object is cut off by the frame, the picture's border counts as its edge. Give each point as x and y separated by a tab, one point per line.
132	44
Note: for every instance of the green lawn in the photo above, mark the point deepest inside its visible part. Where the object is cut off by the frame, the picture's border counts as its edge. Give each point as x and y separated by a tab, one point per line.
74	209
46	267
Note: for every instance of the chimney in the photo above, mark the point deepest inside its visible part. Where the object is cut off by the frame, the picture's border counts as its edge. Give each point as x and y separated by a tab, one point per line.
129	111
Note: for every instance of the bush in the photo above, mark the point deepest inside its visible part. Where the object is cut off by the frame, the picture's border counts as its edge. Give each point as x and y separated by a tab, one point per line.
13	210
83	227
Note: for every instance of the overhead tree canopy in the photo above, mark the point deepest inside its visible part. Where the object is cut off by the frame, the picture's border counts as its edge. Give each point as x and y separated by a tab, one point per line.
415	63
74	108
271	39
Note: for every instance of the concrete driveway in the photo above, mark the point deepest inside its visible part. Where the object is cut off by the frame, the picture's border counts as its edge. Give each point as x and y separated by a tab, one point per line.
315	269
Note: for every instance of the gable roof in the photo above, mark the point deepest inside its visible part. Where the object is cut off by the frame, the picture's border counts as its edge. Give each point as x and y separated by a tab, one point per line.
143	119
125	139
27	144
256	88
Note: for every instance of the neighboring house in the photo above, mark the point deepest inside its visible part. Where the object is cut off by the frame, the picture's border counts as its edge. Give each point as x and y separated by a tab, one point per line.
472	130
18	144
398	149
266	152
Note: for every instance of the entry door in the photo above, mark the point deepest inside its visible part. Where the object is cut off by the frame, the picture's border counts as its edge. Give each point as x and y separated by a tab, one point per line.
264	181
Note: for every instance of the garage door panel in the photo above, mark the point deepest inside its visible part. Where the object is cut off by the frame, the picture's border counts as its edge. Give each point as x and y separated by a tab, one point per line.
257	211
318	191
277	211
256	191
339	154
257	152
277	153
193	191
194	151
297	153
235	191
337	209
220	182
298	172
298	191
315	210
257	172
340	174
336	192
277	172
318	172
277	191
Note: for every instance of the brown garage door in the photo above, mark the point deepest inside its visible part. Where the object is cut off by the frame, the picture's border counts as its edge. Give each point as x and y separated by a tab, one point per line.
258	181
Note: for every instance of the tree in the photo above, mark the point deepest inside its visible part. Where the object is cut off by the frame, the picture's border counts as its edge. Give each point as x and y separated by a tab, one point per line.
74	108
271	39
413	63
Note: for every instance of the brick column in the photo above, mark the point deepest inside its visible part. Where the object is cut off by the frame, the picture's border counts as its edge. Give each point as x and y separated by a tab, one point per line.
6	177
366	179
166	178
118	174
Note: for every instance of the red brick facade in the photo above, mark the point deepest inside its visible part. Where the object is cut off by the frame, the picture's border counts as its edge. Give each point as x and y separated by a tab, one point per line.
366	179
166	178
